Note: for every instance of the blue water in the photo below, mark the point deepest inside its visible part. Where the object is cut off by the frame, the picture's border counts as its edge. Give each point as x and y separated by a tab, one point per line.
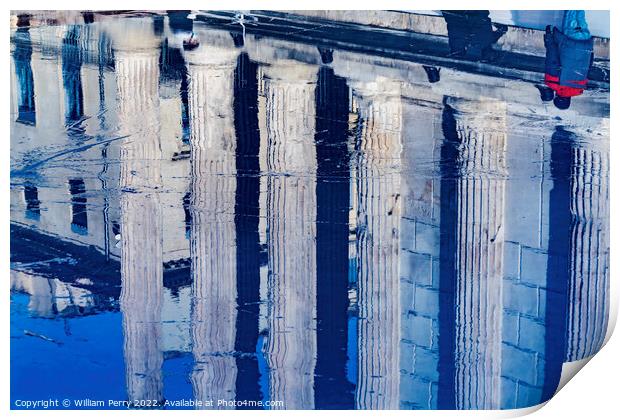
255	220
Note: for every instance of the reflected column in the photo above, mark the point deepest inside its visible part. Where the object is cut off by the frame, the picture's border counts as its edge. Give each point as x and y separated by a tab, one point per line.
588	301
212	203
472	254
379	212
137	77
291	216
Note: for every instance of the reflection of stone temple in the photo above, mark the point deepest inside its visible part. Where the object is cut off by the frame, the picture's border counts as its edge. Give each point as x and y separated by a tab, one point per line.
313	226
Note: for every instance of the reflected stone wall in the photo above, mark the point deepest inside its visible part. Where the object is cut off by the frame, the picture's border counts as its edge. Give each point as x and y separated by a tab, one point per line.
525	366
420	251
556	254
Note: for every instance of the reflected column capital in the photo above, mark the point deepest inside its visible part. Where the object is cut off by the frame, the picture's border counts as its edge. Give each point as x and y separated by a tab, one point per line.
379	105
135	35
485	114
380	88
215	49
481	126
291	71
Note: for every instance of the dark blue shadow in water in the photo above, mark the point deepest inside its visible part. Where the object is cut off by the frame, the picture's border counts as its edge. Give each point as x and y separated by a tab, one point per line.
332	389
558	267
447	270
246	224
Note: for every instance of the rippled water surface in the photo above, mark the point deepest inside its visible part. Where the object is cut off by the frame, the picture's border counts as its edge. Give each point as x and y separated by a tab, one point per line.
256	219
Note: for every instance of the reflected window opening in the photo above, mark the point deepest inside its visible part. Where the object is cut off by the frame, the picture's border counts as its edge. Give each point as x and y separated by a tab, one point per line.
26	112
185	109
79	216
188	214
31	196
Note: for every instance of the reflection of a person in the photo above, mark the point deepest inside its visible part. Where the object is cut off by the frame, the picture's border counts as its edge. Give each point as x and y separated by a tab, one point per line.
471	34
568	59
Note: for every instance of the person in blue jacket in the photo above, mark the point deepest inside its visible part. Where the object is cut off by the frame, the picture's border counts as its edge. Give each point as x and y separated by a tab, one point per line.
568	59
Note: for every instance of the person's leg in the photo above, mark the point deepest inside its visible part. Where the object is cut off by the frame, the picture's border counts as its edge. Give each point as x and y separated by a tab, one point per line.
562	102
546	93
458	31
552	57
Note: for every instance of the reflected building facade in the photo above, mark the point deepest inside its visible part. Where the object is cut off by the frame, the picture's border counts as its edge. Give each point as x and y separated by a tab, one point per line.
348	236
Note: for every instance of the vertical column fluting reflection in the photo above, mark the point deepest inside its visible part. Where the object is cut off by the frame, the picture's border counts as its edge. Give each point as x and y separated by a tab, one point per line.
291	216
379	208
478	132
587	294
137	77
212	233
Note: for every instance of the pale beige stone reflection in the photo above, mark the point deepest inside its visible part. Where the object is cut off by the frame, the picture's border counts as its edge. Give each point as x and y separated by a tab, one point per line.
50	297
211	71
291	214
